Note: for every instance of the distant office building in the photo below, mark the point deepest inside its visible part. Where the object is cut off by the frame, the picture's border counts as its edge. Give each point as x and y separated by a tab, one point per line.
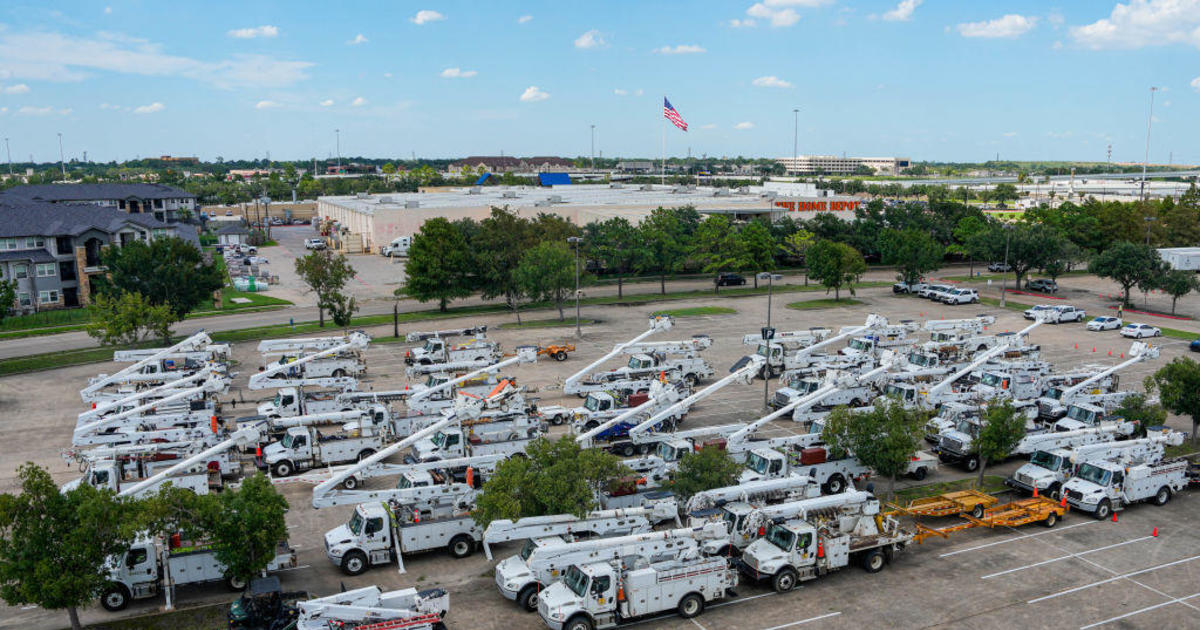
635	167
163	202
180	159
833	165
509	164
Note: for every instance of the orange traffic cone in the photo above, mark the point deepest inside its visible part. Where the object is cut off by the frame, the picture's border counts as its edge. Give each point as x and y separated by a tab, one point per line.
1114	516
1093	349
1154	533
1063	501
1076	346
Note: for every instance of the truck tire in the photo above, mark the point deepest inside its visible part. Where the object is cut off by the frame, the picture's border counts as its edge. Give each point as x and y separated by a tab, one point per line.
115	598
1054	491
1051	519
920	473
784	581
1103	510
560	356
591	424
627	450
691	380
235	583
558	420
461	546
977	511
366	452
971	463
1162	496
339	373
836	484
579	622
528	598
282	469
350	483
354	563
873	561
690	606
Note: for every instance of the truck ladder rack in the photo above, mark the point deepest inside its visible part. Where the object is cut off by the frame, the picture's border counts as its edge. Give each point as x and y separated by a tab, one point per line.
397	624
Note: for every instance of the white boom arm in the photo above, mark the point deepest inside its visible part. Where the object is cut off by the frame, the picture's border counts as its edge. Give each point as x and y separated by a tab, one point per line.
1138	352
407	496
709	531
973	324
328	485
211	385
800	509
1107	431
241	437
357	341
199	339
276	346
888	361
344	383
743	434
599	522
659	391
657	324
416	336
212	352
984	357
682	346
165	388
800	337
744	375
745	491
525	354
1148	446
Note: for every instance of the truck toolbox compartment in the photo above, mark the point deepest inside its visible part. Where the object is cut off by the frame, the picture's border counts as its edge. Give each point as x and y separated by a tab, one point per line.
812	456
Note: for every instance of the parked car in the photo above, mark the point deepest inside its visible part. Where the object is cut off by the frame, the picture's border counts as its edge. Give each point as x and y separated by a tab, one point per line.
298	222
729	280
961	296
314	243
1140	331
229	213
999	266
1030	313
1105	322
940	295
1194	346
904	287
1042	284
930	289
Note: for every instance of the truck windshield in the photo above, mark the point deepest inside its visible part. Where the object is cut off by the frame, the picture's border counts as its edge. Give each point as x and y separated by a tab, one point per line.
1094	474
922	360
808	386
356	523
438	438
860	344
576	580
591	403
286	441
941	336
968	427
1054	393
1049	461
1081	414
734	521
528	549
431	345
277	400
666	452
898	391
781	537
757	463
762	350
991	379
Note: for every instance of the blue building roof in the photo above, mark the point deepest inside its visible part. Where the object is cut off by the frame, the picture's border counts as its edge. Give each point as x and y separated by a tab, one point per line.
554	179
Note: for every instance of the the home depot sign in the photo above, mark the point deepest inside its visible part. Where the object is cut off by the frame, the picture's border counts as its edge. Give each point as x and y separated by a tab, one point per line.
818	206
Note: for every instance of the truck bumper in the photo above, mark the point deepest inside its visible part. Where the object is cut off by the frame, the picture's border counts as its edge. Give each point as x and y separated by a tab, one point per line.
510	595
949	457
1018	485
1082	507
750	572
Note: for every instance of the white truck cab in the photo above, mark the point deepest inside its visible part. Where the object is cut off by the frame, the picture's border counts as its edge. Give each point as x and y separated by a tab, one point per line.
1102	487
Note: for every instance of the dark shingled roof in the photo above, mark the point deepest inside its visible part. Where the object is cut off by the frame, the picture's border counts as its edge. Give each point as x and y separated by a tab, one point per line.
34	255
96	192
23	217
233	228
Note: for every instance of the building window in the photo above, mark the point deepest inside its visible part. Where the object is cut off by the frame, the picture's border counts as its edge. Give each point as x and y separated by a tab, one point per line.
33	242
22	271
63	244
159	233
8	244
23	299
45	270
47	297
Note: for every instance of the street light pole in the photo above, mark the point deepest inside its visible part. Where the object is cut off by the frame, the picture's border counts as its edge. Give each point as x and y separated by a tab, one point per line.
1004	272
338	133
593	148
575	240
1146	159
770	278
795	139
61	162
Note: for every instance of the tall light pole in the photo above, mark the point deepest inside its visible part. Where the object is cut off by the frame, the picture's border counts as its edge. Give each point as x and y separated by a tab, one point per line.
9	154
795	139
1004	272
576	241
593	148
61	162
1149	221
338	134
768	332
1146	159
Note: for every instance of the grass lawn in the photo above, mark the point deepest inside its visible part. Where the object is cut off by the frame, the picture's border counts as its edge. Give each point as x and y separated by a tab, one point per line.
823	303
992	484
199	618
1012	306
548	323
696	311
725	292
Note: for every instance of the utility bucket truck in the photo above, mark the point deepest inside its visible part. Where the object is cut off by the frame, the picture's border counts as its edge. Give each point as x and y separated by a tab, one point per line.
438	350
575	382
783	359
1097	388
1103	486
133	373
733	504
336	361
781	349
1048	469
606	593
370	608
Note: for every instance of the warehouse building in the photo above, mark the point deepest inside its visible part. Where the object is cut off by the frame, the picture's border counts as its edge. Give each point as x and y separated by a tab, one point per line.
833	165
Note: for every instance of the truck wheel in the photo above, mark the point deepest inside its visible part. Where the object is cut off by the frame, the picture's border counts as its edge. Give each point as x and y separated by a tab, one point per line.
354	563
627	450
1103	510
836	484
115	598
579	623
339	373
235	583
971	463
785	580
366	452
1051	519
873	561
461	546
350	483
282	469
558	420
1162	496
560	356
691	605
920	473
591	424
528	598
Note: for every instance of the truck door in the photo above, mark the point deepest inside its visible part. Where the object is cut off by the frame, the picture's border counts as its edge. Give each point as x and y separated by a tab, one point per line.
601	592
806	553
140	565
1118	483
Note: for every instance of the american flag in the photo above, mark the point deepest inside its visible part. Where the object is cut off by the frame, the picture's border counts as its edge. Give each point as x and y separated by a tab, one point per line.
672	115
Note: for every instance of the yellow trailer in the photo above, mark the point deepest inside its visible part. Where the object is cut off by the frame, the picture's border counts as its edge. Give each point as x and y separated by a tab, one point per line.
974	502
1014	514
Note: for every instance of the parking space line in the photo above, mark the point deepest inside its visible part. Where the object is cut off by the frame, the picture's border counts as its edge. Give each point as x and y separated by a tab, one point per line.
1111	579
1174	600
744	599
998	542
803	621
1068	556
693	620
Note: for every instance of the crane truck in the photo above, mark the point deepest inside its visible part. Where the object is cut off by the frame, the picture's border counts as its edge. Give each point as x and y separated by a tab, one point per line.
370	608
733	504
269	376
779	347
820	536
575	382
782	359
93	392
437	350
957	446
1049	468
1053	404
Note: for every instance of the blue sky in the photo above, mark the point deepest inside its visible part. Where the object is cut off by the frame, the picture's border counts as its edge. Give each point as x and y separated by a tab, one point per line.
931	80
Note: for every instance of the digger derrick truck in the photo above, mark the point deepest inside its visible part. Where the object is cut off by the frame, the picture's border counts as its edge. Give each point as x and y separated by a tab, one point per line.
1049	468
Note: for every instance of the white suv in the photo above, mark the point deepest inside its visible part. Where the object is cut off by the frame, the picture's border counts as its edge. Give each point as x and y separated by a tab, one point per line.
314	243
959	296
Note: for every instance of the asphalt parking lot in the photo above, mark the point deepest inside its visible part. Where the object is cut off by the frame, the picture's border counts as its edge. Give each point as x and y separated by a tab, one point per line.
376	276
1081	574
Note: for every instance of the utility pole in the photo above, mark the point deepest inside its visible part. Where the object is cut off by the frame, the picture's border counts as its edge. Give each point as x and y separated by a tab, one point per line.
576	241
9	154
61	162
1146	159
795	139
1004	273
593	148
338	133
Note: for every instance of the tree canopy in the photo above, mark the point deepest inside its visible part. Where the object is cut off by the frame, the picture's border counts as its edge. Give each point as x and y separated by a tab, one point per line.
1178	385
326	275
439	264
167	271
1128	264
883	438
710	467
835	265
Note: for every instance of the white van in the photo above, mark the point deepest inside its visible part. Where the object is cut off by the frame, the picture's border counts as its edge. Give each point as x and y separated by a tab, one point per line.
398	247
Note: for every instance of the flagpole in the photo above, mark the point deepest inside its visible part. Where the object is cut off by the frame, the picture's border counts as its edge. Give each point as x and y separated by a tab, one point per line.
663	170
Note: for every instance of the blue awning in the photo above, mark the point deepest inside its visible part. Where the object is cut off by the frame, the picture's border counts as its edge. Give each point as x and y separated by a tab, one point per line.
554	179
482	178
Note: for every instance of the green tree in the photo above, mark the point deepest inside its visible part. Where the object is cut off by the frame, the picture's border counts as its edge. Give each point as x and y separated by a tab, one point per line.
759	246
341	309
966	229
1178	385
439	264
617	245
8	297
665	237
326	275
557	477
1138	409
913	252
835	265
166	271
717	246
710	467
883	438
1004	192
1177	283
54	545
1127	264
547	273
498	245
1003	427
245	526
795	246
127	318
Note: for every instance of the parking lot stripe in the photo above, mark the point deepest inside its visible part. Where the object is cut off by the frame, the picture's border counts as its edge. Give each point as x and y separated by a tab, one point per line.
998	542
1070	555
803	621
742	600
1176	600
697	624
1111	579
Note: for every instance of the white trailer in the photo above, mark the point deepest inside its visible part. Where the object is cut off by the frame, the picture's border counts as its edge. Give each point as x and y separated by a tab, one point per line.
573	383
369	608
1049	468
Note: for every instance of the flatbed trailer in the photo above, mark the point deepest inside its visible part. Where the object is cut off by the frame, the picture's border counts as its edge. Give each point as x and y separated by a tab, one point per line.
1013	514
974	502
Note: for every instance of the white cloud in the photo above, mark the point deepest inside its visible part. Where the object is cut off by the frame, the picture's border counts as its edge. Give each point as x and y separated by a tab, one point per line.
708	126
746	23
266	30
777	12
1007	27
1195	84
387	75
327	102
266	105
771	81
1055	19
903	11
152	108
109	106
108	10
19	88
533	94
29	110
590	39
48	56
358	39
620	92
524	19
1010	134
425	16
457	73
1142	23
744	125
358	102
681	49
639	92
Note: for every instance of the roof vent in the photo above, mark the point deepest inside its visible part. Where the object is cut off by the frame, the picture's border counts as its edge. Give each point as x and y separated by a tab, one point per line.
509	194
412	203
475	190
383	200
647	187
